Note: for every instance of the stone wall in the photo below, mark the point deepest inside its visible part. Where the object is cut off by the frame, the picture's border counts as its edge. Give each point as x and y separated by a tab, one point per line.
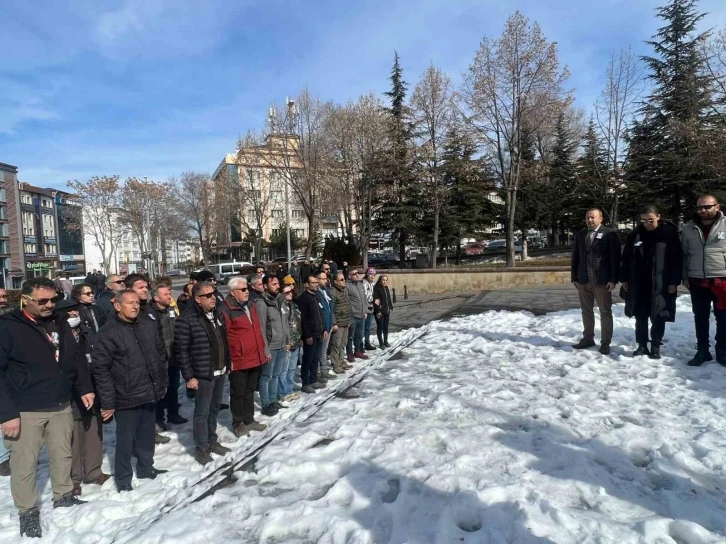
464	280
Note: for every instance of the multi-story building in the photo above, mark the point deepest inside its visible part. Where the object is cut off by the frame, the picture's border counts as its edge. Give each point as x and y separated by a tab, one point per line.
69	217
8	177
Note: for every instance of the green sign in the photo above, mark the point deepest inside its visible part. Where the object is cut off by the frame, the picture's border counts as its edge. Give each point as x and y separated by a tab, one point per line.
39	266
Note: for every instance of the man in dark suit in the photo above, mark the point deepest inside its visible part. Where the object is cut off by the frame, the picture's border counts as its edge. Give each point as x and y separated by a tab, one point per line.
594	270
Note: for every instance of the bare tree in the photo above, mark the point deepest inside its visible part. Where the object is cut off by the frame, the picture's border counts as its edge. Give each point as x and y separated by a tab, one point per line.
614	111
99	197
433	114
510	80
194	193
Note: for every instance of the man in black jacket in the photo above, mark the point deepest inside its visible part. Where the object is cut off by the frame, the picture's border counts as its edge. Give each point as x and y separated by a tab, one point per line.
129	366
104	300
201	351
39	364
595	269
166	317
313	329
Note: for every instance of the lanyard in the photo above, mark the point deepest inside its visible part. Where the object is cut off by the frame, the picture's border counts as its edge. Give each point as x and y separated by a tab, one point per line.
52	341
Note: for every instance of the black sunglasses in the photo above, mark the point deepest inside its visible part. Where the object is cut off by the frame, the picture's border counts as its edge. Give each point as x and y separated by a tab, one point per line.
705	207
87	293
118	281
207	295
44	301
243	289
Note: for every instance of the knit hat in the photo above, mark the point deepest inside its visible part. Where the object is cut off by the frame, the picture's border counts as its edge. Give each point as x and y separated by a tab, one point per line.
288	280
371	272
66	305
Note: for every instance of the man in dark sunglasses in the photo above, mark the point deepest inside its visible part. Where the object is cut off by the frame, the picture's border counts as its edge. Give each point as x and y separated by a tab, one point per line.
704	267
104	300
37	411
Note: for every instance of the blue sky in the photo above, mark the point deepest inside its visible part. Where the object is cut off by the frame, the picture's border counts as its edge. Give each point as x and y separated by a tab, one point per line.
157	87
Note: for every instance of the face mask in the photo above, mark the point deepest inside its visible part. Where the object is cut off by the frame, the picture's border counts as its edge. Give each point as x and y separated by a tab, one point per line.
74	322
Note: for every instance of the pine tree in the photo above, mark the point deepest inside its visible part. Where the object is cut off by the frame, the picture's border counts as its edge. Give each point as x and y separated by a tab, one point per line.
670	141
397	205
591	169
562	190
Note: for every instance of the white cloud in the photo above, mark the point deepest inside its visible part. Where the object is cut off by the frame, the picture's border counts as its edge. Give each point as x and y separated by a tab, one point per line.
119	23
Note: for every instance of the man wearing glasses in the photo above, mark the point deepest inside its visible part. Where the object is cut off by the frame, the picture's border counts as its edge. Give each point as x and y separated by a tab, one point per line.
104	301
704	270
40	362
358	307
202	353
313	330
247	355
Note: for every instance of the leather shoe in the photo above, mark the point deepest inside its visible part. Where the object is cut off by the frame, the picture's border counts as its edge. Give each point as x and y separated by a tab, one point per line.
151	475
99	480
256	426
584	344
605	350
77	489
177	420
642	350
703	355
126	487
351	359
240	429
309	389
317	385
219	449
161	439
360	355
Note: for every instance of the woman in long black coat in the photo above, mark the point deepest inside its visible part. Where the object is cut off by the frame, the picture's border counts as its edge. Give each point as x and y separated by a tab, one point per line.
382	308
650	274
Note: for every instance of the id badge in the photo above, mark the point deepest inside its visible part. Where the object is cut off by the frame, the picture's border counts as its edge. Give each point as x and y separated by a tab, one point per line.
599	236
722	235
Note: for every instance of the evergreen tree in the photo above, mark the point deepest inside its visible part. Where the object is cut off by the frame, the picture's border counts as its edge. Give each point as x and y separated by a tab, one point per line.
591	169
562	191
468	183
397	206
670	141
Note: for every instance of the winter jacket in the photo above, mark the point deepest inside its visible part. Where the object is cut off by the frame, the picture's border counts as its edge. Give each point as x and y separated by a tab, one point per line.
368	288
100	283
295	322
704	258
357	297
382	294
93	317
182	302
327	305
31	378
84	345
274	321
193	343
104	301
603	257
651	262
165	320
341	309
129	364
311	315
244	334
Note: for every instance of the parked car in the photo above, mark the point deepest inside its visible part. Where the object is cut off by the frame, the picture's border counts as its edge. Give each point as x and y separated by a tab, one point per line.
500	246
381	260
174	273
476	248
223	271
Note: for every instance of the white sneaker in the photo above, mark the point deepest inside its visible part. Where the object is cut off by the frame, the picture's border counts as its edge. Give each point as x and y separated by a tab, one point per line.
291	397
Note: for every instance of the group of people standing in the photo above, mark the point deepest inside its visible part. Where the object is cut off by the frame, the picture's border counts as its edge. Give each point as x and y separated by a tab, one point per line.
67	366
656	259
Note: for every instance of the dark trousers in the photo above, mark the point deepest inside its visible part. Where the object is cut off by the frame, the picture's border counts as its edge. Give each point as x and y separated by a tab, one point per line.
87	446
382	328
367	329
170	402
702	299
355	336
135	432
309	367
656	332
206	408
242	386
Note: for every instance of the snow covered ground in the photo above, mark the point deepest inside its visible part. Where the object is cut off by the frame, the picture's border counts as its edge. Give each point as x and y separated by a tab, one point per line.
488	429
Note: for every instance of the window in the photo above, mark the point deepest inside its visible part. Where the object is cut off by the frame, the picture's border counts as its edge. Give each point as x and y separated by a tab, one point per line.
46	202
50	249
3	212
25	198
298	214
2	195
31	248
254	196
276	196
299	233
253	178
48	226
277	214
28	224
4	229
4	247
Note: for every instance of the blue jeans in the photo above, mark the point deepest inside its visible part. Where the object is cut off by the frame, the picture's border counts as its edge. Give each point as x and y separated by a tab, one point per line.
355	336
287	379
270	377
367	333
4	453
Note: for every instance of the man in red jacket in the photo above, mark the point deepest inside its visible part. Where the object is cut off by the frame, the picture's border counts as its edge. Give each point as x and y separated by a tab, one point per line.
247	351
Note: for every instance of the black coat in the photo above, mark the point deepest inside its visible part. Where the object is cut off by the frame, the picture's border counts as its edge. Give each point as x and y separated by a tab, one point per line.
30	377
165	320
103	302
311	315
193	343
605	252
129	364
651	262
87	312
383	294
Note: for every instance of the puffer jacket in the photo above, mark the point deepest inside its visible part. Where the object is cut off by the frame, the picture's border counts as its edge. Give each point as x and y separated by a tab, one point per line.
368	288
193	343
341	308
274	322
295	324
129	364
357	297
704	258
328	306
244	334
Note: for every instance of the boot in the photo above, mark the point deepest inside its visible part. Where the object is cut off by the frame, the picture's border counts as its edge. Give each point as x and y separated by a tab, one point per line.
309	389
605	350
67	500
642	350
30	524
381	343
176	419
360	355
702	355
269	410
240	429
5	468
98	480
385	340
584	344
338	370
370	347
351	359
203	456
219	449
161	439
77	490
256	426
654	350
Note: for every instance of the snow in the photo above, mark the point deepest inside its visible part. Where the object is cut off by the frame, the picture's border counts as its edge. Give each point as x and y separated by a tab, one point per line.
485	429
